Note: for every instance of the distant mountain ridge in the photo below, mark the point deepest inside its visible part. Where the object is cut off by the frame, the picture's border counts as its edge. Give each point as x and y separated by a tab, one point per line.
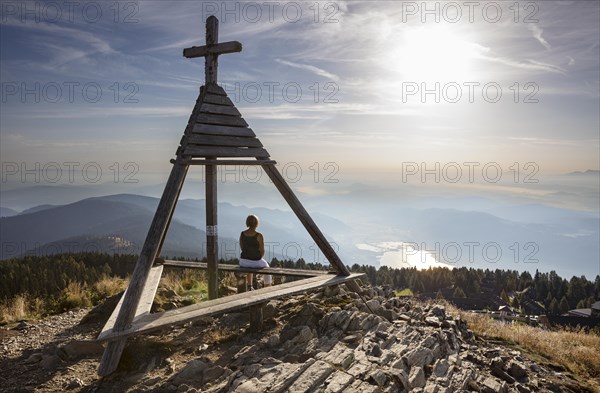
71	227
119	223
7	212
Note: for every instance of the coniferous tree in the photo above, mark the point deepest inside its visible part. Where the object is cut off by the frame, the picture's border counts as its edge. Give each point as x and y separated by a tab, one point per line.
458	292
554	310
563	306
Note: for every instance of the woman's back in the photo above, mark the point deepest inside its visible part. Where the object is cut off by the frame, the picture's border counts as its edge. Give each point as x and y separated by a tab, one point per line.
250	246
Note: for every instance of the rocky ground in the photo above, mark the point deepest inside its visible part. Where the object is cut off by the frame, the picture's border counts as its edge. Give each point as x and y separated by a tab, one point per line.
327	341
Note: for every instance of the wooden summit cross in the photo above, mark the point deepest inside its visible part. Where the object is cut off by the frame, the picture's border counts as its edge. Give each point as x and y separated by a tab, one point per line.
211	52
215	130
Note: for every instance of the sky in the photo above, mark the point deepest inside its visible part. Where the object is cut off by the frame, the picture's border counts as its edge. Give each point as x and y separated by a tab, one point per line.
351	82
400	102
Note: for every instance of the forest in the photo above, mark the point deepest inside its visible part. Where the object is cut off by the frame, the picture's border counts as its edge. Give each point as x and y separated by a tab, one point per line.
48	276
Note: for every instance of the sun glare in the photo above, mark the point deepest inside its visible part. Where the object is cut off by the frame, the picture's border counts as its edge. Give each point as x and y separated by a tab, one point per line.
433	54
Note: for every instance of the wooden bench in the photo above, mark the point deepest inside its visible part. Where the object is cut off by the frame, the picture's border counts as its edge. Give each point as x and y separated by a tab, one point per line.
150	322
277	271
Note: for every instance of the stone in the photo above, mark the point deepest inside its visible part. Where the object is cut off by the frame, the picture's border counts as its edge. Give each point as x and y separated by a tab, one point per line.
416	378
304	335
312	377
517	370
402	377
497	362
82	348
352	338
269	311
340	356
338	382
388	314
379	377
192	372
373	305
273	340
419	357
33	358
50	362
250	386
500	373
438	311
376	351
433	321
212	374
431	388
440	368
74	384
490	385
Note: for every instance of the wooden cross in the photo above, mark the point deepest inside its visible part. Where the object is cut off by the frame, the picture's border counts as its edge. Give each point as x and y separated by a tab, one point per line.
212	49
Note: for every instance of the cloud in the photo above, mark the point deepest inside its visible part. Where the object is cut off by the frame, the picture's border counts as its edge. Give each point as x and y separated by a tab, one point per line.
315	70
529	64
537	34
90	40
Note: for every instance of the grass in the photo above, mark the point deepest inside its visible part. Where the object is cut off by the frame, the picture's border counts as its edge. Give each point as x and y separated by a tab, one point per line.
576	350
75	295
21	307
190	283
405	292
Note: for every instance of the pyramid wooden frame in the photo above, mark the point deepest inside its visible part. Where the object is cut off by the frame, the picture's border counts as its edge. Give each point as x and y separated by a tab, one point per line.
215	130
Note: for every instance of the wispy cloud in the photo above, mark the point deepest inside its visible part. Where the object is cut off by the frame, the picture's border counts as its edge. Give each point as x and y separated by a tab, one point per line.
307	67
529	64
537	34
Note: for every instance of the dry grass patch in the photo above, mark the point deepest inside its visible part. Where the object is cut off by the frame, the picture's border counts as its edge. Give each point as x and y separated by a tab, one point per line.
21	307
109	286
575	350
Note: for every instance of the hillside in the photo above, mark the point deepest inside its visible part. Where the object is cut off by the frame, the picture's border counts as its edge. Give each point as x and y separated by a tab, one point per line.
92	225
323	342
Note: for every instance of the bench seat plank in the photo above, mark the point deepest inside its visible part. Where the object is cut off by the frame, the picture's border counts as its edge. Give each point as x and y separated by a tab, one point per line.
229	303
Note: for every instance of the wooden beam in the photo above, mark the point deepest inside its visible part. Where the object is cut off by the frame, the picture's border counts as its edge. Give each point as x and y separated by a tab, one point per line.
217	151
205	118
212	129
223	162
239	269
217	99
219	49
226	304
218	140
131	300
215	89
220	109
212	237
145	303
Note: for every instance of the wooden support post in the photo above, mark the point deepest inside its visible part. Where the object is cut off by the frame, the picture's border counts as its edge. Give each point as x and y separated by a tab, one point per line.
212	38
212	251
256	317
241	282
131	299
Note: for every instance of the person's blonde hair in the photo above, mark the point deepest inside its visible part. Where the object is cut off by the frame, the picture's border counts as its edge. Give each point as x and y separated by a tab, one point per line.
252	221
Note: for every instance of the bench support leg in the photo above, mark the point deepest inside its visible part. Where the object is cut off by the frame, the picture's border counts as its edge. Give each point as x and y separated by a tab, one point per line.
241	282
256	318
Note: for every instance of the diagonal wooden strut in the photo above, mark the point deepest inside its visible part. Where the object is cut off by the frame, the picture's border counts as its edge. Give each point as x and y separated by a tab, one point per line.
309	224
112	353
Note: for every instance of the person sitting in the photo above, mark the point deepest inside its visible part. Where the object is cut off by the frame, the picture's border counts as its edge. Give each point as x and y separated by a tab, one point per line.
252	245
